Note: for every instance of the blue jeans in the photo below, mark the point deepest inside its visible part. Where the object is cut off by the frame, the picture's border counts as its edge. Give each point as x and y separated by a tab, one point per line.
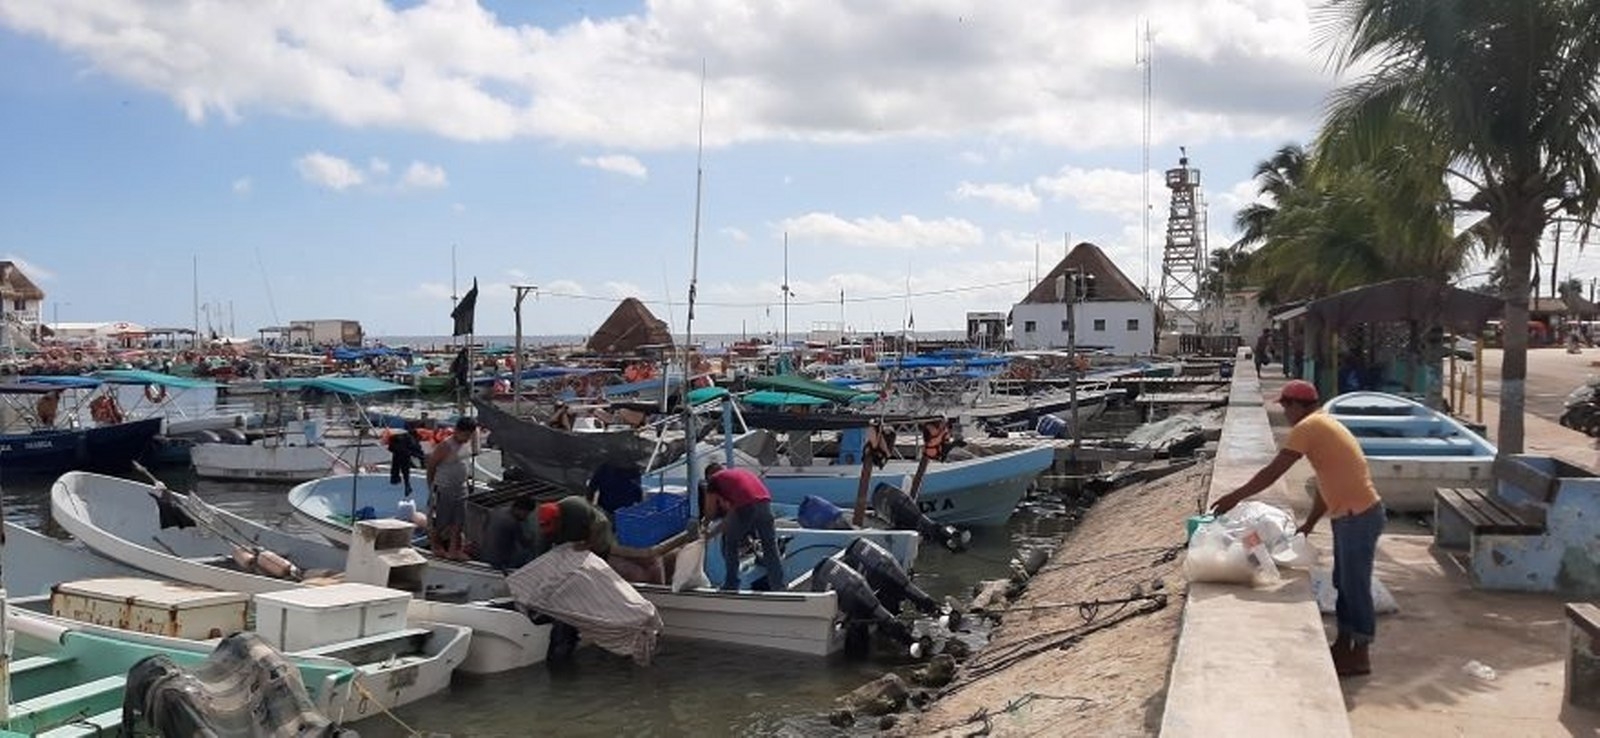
1355	546
756	518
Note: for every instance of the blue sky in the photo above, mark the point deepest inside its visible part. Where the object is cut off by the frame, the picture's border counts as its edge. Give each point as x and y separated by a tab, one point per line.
321	159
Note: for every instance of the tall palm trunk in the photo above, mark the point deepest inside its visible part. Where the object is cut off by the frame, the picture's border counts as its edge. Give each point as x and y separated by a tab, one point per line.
1521	241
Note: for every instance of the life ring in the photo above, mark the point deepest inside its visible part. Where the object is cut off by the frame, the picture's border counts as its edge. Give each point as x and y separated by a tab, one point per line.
155	392
502	387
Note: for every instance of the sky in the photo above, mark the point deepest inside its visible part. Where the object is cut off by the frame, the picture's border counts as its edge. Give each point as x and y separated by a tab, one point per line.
367	160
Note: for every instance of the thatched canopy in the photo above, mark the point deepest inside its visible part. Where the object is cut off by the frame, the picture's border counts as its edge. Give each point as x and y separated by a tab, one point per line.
630	326
1429	303
1111	285
14	285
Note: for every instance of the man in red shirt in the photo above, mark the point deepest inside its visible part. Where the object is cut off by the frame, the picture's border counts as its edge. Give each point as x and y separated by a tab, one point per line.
742	498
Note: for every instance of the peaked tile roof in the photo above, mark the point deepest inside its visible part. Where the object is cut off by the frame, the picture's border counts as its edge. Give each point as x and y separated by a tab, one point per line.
14	285
1111	285
630	326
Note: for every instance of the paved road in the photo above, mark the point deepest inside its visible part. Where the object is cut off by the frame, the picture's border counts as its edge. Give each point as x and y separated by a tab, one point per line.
1552	374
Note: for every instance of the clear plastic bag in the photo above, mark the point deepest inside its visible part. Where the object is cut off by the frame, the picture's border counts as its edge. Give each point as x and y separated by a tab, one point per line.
1215	555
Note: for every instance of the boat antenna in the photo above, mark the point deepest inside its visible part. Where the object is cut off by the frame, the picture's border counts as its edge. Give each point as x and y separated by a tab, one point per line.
1142	55
690	473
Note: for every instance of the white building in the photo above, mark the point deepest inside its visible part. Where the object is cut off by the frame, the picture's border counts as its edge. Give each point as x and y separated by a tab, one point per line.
1239	313
1113	313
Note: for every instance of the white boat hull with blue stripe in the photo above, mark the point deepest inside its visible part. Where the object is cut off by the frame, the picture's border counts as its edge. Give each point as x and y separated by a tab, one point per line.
1412	449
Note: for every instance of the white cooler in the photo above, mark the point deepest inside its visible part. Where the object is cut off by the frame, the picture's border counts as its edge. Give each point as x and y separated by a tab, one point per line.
148	606
308	617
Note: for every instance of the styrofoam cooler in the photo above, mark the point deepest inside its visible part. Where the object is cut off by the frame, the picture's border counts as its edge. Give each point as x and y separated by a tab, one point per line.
297	619
149	606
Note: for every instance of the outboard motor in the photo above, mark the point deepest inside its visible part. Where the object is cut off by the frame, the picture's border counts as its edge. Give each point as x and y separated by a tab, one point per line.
888	580
856	598
901	513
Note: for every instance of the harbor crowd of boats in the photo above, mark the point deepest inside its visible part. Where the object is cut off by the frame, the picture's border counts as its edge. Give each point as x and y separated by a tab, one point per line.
868	454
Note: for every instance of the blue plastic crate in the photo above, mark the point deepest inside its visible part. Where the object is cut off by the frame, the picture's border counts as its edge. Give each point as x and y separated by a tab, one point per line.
657	518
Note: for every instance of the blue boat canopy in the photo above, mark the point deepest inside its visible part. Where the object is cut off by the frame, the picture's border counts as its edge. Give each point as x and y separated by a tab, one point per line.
354	386
50	383
140	376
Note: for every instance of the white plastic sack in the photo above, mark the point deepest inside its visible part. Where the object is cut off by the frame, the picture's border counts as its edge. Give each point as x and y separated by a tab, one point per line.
1217	555
1383	603
689	570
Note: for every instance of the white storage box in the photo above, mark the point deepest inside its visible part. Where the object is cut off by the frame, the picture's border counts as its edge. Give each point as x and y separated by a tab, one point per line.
148	606
297	619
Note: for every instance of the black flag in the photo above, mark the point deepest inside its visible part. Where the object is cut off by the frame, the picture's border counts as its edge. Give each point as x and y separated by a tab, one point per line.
462	314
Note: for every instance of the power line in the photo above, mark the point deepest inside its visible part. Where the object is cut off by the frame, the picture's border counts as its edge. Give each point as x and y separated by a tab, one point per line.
800	303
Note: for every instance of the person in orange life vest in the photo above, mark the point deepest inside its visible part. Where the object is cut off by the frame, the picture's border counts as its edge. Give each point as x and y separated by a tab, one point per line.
739	496
1346	495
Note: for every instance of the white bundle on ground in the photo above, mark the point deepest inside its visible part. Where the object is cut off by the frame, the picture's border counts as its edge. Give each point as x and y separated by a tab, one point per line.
578	588
1327	595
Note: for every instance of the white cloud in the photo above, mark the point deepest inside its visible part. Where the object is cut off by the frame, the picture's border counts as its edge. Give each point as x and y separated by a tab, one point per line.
735	235
331	172
424	176
377	166
458	208
826	71
1111	191
242	186
972	157
616	164
906	232
1011	197
620	290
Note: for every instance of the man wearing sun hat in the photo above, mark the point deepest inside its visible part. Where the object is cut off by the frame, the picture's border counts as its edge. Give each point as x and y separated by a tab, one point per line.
1346	495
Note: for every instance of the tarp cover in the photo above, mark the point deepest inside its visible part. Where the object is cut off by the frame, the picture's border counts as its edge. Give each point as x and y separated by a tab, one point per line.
565	458
577	588
244	688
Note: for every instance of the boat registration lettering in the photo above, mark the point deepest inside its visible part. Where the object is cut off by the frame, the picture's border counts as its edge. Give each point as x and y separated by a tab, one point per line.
929	506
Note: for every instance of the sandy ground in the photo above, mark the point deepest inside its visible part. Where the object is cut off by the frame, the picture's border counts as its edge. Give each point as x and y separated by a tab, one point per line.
1111	682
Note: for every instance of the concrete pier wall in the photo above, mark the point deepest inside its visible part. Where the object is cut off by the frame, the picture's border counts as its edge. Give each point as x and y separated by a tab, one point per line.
1252	661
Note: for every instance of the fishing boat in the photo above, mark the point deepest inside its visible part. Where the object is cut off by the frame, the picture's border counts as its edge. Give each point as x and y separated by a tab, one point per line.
1412	449
308	448
794	620
186	405
568	457
120	519
29	445
69	679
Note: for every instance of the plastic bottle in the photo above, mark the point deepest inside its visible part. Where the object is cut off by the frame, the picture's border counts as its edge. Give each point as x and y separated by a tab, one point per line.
1266	571
406	509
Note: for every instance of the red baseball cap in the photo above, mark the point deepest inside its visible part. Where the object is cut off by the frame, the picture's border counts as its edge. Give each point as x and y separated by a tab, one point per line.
1298	390
549	514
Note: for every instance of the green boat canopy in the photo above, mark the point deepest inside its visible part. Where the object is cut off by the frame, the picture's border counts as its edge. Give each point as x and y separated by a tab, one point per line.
703	395
353	386
789	383
140	376
770	398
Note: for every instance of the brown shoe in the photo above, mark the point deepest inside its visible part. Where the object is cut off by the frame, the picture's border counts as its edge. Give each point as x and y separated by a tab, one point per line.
1353	661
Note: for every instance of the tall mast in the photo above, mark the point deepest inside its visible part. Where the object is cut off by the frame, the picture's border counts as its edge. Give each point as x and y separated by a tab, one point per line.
1142	52
786	289
196	336
691	474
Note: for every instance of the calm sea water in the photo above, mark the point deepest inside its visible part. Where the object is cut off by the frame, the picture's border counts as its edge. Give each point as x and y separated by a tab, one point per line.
691	688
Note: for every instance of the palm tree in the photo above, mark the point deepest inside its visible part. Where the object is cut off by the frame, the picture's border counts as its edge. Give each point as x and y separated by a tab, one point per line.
1510	89
1277	178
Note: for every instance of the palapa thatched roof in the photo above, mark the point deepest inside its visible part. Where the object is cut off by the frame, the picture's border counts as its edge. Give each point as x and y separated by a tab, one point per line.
630	326
1111	285
14	285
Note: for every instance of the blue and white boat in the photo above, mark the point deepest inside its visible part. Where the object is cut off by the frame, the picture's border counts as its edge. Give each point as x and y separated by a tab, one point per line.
305	449
67	443
1413	449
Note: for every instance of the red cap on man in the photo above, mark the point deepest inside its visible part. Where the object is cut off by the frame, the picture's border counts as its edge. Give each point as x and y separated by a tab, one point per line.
1298	390
549	516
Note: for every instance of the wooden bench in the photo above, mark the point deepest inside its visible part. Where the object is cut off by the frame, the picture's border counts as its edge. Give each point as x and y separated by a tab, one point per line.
1583	658
1461	512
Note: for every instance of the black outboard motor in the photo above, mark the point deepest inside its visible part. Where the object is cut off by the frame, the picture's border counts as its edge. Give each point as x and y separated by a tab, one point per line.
901	513
888	580
856	598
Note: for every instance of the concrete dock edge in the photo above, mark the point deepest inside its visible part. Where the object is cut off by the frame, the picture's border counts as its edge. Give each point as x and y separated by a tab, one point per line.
1252	661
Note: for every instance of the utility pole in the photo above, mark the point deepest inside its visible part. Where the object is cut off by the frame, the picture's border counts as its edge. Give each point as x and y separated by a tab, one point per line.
522	291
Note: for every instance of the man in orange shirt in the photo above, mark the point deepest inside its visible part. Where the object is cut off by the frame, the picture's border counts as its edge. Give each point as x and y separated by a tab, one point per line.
1346	495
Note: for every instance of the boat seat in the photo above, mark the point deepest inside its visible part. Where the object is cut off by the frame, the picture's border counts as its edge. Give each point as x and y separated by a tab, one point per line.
1394	426
57	708
36	663
108	723
1448	446
373	648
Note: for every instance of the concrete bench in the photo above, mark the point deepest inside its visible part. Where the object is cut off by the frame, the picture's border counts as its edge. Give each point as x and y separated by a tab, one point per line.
1583	660
1563	501
1459	513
